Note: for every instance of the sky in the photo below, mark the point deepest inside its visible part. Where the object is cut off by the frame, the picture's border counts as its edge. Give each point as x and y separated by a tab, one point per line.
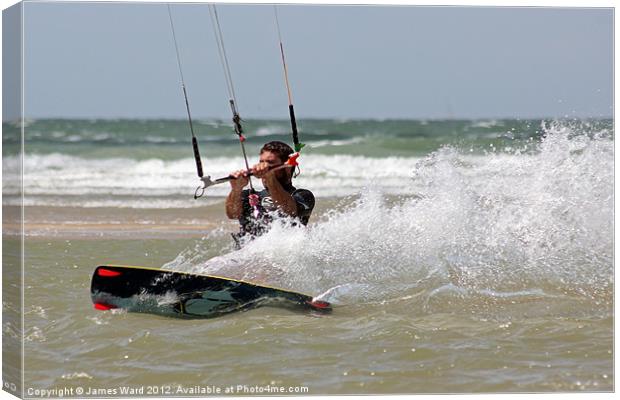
117	60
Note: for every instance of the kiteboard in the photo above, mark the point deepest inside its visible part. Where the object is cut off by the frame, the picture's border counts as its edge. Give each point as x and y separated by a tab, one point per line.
186	295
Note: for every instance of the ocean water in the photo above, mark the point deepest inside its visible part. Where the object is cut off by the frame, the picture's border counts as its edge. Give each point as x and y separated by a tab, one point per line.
149	164
460	256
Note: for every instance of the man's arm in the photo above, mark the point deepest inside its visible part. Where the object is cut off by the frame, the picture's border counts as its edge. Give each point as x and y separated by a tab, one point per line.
234	201
234	204
281	197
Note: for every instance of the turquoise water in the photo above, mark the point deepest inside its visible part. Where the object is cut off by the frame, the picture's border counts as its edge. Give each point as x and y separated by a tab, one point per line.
170	139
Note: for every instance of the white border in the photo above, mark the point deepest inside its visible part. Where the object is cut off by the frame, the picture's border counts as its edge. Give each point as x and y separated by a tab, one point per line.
458	3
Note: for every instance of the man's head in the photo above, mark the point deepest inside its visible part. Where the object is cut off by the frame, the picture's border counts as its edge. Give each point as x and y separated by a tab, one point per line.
280	149
275	154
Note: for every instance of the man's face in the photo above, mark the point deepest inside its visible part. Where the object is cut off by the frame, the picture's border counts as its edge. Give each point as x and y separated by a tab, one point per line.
272	160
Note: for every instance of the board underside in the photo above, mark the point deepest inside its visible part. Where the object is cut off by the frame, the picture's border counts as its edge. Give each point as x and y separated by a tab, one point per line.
184	295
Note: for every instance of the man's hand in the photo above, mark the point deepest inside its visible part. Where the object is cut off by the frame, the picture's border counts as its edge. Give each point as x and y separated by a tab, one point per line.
240	181
262	170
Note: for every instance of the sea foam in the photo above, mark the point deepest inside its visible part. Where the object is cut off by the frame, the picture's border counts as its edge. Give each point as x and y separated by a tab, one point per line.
529	222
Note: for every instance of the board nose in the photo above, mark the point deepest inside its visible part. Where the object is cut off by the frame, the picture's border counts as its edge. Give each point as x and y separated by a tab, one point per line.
320	305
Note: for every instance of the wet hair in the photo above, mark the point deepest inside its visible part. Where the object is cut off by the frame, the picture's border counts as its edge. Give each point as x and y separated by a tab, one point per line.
281	149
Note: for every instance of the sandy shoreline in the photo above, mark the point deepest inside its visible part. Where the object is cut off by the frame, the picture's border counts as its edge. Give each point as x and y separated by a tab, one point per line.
84	223
73	222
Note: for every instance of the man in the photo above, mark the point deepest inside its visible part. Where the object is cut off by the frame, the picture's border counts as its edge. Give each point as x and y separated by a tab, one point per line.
255	211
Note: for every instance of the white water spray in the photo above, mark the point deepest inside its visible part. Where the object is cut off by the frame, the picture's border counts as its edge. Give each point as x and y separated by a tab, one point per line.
508	222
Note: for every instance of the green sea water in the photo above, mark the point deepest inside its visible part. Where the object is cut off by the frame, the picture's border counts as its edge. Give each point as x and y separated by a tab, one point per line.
412	342
171	139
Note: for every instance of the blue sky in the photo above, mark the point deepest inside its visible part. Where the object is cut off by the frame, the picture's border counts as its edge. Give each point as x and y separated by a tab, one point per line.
116	60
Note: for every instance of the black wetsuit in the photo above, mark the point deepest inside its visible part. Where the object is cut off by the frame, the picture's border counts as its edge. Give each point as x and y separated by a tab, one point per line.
268	210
